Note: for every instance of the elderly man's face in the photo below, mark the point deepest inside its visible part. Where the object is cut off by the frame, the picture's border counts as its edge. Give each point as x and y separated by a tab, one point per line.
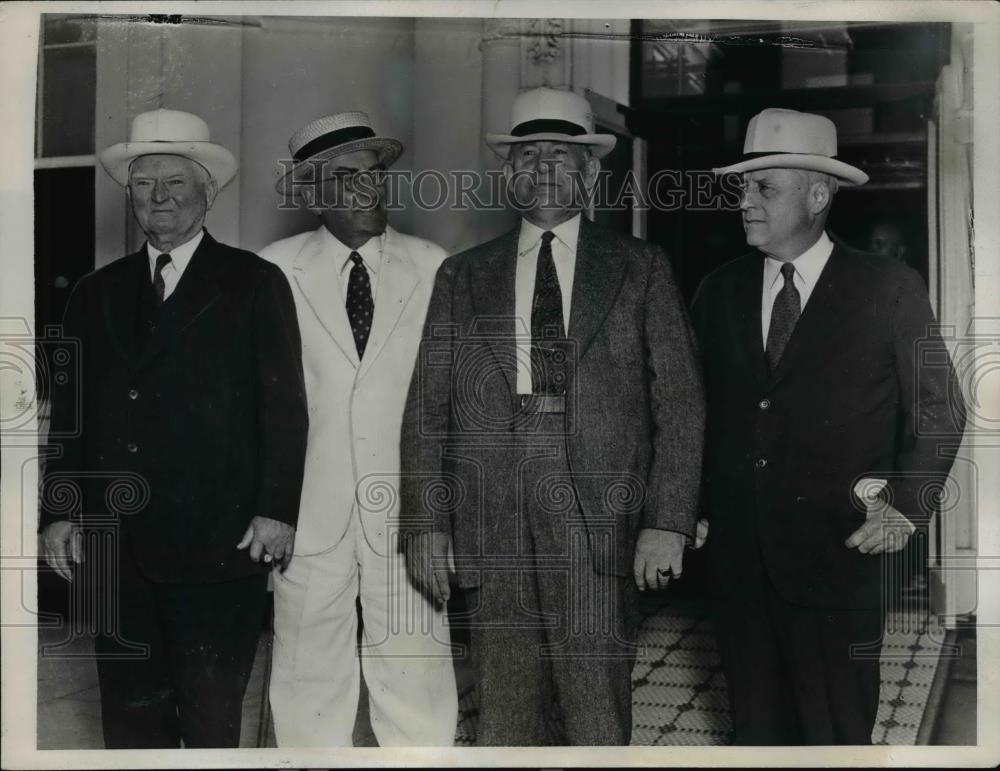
170	196
779	212
545	179
350	198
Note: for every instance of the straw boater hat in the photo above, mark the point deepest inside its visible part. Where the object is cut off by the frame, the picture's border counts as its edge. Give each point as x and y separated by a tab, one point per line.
551	114
333	135
788	139
169	132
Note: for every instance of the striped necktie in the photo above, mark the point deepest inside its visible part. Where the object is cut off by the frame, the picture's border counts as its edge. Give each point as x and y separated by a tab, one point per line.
159	286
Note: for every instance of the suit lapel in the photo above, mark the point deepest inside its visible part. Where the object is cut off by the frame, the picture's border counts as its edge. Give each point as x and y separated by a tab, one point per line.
197	289
492	275
746	322
316	276
597	280
817	319
397	279
122	304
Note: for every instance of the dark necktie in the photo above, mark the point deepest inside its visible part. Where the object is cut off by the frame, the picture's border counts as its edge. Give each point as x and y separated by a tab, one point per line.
786	311
159	287
360	305
548	358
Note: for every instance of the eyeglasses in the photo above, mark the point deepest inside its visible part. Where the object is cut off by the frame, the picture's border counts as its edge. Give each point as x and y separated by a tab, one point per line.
358	179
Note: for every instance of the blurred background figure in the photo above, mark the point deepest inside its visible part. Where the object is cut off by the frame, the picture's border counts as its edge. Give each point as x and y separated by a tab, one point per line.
887	239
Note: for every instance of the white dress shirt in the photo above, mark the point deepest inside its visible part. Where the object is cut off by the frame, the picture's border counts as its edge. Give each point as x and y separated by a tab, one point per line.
808	266
564	257
340	253
173	270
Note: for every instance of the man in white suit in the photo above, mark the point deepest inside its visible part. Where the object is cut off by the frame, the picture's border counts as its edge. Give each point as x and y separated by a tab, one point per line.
361	292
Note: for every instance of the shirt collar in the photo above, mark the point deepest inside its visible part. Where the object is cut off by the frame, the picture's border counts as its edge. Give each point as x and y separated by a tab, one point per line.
808	265
179	256
370	251
568	233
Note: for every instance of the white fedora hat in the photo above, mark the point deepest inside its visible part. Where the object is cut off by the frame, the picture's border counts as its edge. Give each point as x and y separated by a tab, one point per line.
333	135
169	132
554	115
788	139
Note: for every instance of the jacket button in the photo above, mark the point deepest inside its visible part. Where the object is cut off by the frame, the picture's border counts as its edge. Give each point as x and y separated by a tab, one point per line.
133	394
764	403
132	447
761	462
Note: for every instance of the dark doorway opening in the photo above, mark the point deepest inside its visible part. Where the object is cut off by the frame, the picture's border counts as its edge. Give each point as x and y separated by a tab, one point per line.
693	91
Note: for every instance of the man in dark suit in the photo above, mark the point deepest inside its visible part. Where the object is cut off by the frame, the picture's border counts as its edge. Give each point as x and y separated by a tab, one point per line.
833	420
552	442
186	470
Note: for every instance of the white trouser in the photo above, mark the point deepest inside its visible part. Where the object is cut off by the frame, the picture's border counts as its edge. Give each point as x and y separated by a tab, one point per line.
404	651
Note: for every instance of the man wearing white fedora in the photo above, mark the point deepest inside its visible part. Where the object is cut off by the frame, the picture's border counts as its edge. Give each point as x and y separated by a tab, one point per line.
552	441
828	439
361	290
191	402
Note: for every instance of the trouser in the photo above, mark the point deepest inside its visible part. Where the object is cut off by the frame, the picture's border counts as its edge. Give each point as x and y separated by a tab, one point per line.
405	651
552	642
200	641
797	675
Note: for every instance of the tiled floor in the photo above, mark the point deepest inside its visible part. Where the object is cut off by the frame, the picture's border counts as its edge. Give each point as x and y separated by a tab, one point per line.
679	689
678	698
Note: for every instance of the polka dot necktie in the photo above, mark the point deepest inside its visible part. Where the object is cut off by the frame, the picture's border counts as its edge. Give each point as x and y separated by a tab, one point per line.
548	355
159	286
784	315
360	305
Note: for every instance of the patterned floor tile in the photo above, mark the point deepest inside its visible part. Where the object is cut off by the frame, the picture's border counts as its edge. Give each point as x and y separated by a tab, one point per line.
679	690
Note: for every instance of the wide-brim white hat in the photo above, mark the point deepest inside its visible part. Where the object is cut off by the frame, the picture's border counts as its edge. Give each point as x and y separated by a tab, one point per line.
554	115
333	135
788	139
169	132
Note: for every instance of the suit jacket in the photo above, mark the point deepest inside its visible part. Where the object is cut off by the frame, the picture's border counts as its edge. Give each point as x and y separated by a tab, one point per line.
184	427
634	416
864	388
355	407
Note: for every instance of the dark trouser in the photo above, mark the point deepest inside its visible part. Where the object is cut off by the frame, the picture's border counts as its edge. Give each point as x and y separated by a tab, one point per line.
201	641
552	642
791	673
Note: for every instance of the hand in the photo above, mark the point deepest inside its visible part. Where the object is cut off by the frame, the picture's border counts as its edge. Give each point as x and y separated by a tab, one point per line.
62	543
702	535
426	564
658	554
885	530
270	538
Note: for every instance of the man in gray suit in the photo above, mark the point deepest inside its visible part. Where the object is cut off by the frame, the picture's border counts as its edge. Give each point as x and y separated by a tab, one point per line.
552	442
